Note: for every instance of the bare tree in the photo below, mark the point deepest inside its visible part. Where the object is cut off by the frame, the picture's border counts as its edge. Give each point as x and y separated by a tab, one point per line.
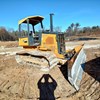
4	35
57	29
72	26
76	28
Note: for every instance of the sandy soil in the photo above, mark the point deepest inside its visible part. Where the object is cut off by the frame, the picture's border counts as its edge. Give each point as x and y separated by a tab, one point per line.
26	83
9	44
87	44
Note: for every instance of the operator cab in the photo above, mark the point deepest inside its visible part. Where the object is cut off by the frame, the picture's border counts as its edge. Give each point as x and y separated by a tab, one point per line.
28	35
48	40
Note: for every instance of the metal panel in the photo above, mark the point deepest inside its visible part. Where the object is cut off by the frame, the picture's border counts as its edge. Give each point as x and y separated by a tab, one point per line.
61	43
77	70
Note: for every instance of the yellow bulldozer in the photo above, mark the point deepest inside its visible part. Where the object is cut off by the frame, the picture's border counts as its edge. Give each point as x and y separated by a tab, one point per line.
46	50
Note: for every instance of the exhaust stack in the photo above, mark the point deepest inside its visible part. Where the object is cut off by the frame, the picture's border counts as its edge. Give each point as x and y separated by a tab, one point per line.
51	22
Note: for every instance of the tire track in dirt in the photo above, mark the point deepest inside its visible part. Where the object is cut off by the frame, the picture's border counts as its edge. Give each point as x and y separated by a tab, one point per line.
21	82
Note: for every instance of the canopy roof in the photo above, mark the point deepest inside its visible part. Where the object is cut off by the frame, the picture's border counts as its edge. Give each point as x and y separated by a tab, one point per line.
32	20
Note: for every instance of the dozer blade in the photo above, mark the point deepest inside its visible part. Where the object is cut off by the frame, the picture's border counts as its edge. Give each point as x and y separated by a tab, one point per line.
76	71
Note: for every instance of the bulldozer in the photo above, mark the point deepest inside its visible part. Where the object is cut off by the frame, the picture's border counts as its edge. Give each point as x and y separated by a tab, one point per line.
46	49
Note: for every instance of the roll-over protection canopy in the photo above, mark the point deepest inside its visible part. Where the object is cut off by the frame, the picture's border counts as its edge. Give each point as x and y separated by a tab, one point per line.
32	20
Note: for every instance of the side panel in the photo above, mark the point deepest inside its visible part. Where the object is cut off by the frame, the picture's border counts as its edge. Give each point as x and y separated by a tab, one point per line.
61	43
23	42
49	41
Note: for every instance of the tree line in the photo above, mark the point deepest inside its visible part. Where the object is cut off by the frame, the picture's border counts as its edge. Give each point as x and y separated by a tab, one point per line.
8	35
73	29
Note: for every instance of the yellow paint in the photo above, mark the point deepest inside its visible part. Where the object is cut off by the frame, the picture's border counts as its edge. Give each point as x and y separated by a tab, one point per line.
49	42
24	19
78	48
23	41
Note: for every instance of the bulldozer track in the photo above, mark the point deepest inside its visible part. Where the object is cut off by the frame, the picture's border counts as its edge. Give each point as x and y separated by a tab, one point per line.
39	59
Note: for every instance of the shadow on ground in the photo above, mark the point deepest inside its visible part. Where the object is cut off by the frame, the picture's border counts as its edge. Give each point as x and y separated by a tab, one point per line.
92	67
64	70
86	39
47	86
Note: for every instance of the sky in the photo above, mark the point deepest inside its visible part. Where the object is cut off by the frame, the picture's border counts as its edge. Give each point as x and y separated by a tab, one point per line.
85	12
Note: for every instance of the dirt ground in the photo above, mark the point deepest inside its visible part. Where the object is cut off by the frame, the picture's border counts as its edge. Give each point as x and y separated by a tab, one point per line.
9	44
26	83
